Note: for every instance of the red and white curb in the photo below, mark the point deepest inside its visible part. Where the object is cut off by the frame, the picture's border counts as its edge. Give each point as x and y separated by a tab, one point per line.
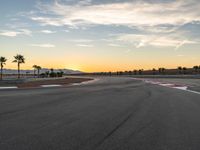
169	85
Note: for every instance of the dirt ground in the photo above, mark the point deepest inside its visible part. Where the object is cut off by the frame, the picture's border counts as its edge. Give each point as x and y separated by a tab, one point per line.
65	81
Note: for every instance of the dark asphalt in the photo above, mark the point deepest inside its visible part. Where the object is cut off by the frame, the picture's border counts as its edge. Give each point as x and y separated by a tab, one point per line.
111	114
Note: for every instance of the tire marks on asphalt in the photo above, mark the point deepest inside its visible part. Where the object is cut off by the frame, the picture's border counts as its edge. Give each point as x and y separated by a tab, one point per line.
114	130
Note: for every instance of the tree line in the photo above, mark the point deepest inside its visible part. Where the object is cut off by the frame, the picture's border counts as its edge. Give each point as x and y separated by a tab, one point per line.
20	59
160	71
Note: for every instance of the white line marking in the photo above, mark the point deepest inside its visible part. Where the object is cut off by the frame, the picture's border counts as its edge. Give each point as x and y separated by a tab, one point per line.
11	87
185	88
170	85
53	85
166	84
193	92
181	88
86	82
156	83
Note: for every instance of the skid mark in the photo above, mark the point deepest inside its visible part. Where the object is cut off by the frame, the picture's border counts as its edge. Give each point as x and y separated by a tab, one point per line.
113	130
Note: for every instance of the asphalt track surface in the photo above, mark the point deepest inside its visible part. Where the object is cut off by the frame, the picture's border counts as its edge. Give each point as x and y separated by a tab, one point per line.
109	114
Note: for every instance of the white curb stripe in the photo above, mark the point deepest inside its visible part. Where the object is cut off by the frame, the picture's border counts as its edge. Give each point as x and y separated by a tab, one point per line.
12	87
193	92
185	88
166	84
181	88
86	82
174	86
53	85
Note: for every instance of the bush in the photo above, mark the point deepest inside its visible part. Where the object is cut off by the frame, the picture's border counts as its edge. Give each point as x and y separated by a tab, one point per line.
60	74
52	74
43	75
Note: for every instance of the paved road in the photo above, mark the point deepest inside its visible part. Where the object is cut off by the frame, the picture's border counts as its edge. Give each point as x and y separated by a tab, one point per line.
110	114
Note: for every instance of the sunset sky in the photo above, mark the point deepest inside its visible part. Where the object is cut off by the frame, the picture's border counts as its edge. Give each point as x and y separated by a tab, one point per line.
101	35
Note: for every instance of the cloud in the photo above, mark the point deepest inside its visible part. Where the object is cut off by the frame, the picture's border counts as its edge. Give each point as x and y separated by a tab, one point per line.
81	40
156	22
25	32
114	45
85	45
9	33
15	33
43	45
136	13
139	40
66	31
47	31
159	29
48	21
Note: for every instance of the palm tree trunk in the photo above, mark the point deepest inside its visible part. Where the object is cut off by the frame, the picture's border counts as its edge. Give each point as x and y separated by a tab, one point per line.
18	70
1	73
38	73
34	73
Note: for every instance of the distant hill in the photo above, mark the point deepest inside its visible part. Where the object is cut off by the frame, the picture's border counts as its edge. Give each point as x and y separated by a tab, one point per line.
43	70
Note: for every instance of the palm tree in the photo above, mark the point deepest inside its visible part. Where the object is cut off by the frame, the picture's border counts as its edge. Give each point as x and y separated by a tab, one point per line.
163	70
140	71
180	69
35	68
199	68
196	68
184	70
121	73
52	73
47	73
2	62
154	71
135	72
60	73
19	59
160	70
38	70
